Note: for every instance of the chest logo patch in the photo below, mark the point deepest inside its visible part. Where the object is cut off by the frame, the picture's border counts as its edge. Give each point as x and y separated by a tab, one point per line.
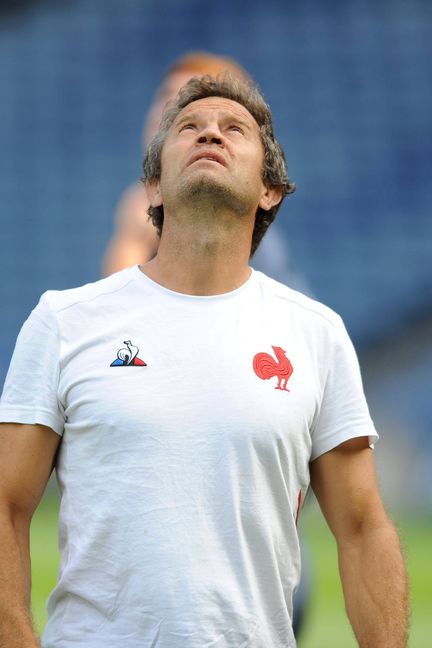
266	367
128	356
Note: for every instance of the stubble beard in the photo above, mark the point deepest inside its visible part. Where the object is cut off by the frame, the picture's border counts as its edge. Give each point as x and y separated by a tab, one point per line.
204	194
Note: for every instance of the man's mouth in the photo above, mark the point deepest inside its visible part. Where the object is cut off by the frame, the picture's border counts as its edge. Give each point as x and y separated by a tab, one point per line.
208	156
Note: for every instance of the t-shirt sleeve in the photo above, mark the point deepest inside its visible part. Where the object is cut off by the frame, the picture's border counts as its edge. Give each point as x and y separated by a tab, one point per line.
30	393
343	413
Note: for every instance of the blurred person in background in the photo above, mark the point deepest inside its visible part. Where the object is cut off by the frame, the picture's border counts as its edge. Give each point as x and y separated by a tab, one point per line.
135	239
178	522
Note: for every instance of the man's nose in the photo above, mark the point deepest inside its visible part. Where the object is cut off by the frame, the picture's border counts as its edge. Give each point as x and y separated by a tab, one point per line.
210	135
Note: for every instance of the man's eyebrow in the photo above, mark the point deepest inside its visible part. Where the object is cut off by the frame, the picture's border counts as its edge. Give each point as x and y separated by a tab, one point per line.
229	117
226	116
185	118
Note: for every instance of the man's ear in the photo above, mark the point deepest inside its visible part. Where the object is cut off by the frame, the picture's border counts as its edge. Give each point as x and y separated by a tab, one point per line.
153	193
270	197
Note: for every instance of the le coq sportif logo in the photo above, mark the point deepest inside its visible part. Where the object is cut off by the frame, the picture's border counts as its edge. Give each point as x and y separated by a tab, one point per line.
127	356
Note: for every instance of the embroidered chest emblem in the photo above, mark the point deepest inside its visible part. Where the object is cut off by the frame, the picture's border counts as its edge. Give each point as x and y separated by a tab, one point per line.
265	367
128	356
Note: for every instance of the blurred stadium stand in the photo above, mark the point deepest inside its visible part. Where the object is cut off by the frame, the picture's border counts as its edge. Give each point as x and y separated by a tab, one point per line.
351	91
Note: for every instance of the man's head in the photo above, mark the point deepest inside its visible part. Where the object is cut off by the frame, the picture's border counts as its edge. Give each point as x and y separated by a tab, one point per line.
193	64
249	100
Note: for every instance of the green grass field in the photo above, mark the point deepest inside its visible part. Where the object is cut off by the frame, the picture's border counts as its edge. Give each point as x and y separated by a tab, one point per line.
326	625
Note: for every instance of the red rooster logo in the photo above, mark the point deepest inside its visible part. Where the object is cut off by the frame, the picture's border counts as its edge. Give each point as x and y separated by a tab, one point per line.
265	367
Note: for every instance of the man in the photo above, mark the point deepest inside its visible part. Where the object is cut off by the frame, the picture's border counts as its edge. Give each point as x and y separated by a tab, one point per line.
135	239
197	400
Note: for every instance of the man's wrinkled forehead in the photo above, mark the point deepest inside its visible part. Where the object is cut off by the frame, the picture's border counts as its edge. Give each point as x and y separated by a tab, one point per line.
221	105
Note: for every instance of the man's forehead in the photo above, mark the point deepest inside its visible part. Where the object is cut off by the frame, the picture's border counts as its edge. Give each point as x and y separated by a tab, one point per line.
220	104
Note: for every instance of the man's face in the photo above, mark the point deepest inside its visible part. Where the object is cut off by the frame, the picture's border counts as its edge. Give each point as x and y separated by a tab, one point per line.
214	146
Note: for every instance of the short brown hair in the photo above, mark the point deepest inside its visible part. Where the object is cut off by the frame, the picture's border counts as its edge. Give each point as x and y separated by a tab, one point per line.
248	95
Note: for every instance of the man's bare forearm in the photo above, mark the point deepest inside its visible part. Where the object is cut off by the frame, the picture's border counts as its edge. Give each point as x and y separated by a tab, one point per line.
16	629
376	587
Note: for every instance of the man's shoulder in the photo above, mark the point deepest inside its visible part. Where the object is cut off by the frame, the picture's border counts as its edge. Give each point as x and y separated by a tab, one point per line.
60	300
298	301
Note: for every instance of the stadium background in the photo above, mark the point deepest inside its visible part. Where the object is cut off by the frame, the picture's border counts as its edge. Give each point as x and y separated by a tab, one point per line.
350	87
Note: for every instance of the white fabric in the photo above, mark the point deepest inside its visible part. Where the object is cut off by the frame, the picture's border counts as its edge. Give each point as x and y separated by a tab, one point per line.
180	478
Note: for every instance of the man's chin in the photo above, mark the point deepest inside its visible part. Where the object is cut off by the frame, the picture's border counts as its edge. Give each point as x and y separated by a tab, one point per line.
206	191
206	184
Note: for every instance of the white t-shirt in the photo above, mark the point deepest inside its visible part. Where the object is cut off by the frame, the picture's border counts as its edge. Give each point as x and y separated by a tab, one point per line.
188	426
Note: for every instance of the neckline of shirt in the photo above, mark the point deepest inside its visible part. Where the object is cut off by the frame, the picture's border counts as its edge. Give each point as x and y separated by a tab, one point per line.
210	299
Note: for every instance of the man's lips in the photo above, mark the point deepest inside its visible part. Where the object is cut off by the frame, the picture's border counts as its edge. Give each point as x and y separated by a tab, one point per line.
211	156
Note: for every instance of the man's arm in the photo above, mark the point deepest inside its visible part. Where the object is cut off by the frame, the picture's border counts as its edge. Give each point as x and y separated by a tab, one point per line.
371	565
27	454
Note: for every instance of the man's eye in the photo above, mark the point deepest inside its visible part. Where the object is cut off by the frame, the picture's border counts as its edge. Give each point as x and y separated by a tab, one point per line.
235	128
186	127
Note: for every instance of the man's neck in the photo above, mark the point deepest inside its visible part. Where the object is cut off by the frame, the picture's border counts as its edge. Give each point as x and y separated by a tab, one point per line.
200	259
